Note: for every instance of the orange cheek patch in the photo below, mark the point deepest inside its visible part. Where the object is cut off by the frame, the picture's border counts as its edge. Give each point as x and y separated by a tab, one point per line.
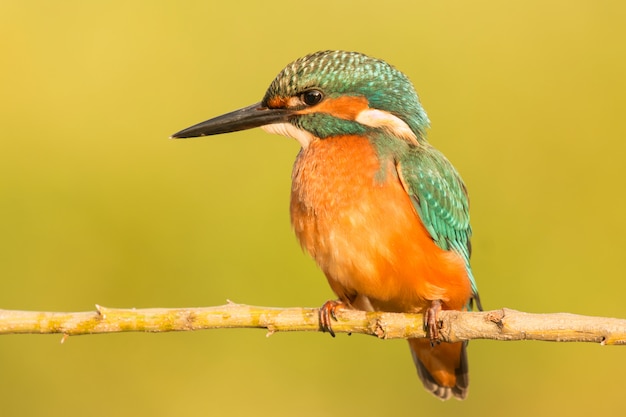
344	107
277	102
283	102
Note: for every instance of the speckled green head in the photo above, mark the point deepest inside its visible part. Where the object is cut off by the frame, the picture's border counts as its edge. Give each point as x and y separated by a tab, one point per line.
340	73
327	94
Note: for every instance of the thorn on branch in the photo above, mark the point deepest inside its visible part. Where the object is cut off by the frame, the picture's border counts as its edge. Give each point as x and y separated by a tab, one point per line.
496	317
378	328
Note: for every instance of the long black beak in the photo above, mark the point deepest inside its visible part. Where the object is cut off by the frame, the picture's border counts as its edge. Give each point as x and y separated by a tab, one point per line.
242	119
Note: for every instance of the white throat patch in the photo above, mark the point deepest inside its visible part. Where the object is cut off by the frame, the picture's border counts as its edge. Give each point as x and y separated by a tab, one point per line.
287	129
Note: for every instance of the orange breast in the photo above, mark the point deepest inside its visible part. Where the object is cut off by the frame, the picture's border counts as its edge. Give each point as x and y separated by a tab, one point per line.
351	213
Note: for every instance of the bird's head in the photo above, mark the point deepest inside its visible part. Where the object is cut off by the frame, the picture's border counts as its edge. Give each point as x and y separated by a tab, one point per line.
327	94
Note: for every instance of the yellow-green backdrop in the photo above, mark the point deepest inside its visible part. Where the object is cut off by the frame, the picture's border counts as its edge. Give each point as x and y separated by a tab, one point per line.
527	98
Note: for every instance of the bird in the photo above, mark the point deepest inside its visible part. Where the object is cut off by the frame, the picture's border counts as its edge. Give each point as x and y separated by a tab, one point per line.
383	213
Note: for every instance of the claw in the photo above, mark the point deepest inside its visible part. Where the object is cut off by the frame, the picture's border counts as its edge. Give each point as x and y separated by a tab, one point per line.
327	313
431	322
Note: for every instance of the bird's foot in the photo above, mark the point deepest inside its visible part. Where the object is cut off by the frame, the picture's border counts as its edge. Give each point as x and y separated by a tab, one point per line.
431	322
327	314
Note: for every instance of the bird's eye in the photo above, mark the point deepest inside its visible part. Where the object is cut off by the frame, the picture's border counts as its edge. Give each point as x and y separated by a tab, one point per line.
312	97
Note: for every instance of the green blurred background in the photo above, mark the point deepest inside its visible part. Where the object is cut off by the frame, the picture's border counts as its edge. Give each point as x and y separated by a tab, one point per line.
527	98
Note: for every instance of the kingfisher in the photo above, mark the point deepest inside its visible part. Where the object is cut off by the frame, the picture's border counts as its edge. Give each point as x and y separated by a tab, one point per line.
382	212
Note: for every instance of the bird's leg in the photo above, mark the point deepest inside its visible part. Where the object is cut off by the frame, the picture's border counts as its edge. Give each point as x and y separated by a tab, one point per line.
431	322
327	313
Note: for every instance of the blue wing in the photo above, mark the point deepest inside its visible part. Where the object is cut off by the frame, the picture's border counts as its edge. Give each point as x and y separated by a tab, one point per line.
440	199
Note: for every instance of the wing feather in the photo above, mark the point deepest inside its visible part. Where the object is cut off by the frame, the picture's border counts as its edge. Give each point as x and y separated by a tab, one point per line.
440	199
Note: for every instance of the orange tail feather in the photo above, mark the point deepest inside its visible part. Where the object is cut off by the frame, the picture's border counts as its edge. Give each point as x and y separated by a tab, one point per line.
442	368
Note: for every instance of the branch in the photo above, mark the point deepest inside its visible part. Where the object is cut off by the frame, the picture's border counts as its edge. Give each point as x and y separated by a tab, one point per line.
504	324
